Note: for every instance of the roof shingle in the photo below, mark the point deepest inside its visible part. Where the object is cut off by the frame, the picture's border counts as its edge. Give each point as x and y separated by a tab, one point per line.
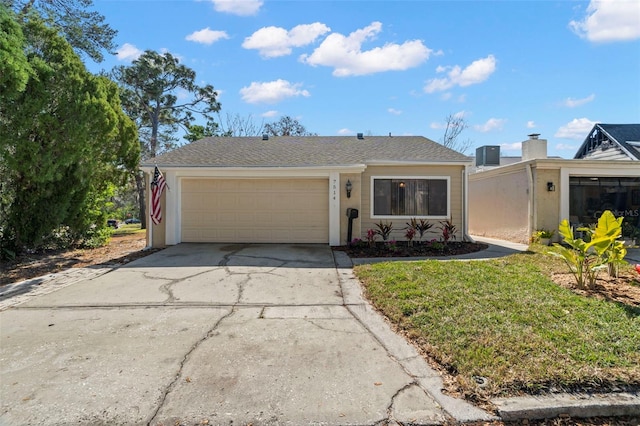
306	151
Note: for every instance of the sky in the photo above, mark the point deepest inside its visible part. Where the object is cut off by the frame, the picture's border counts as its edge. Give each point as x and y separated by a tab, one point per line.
510	68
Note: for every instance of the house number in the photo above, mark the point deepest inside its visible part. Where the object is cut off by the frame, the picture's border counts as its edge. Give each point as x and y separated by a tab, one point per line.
335	187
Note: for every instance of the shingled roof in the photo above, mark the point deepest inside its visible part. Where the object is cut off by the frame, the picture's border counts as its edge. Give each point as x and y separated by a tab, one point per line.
626	136
306	151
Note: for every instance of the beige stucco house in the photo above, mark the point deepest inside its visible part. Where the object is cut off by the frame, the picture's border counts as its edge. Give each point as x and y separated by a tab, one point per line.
512	201
298	189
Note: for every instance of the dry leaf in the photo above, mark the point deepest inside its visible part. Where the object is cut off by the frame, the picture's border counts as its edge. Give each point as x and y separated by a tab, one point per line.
378	383
188	380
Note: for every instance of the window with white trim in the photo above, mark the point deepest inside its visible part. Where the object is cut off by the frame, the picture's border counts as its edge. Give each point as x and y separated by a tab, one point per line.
410	197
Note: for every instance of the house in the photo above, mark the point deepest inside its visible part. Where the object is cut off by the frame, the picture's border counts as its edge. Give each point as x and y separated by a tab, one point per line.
511	202
299	189
611	142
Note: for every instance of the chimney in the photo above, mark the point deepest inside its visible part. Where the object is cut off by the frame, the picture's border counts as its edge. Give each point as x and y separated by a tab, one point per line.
534	148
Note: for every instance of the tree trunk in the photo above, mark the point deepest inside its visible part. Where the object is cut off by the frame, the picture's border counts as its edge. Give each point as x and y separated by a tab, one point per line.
140	186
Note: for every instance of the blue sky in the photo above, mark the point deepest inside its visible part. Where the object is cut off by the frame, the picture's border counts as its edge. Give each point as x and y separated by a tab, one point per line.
510	67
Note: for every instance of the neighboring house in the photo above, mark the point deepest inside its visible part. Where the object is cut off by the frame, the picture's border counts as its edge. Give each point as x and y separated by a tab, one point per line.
298	189
511	202
611	142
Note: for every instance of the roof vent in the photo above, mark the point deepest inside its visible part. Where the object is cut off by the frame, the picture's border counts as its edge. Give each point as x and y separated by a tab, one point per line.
265	137
360	136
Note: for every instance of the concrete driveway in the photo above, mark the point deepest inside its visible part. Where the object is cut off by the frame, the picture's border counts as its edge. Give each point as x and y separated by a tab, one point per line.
215	334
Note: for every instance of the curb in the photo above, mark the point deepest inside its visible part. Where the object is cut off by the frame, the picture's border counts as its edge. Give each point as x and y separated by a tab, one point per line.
569	405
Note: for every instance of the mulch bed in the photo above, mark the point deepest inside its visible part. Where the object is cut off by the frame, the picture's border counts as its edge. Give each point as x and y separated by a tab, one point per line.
417	249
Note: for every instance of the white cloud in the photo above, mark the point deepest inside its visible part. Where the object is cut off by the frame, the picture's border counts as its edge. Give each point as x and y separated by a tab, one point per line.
394	111
128	52
490	125
345	132
272	92
270	114
516	146
575	129
477	72
566	147
238	7
207	36
609	21
531	124
346	56
572	103
272	42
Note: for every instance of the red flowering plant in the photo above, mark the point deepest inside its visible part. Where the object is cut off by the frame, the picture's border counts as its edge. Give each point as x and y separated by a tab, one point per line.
410	234
371	237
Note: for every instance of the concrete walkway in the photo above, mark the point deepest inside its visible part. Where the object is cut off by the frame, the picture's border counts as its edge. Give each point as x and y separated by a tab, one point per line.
197	334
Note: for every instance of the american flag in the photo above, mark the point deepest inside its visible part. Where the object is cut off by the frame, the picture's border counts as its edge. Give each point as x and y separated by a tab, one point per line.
157	186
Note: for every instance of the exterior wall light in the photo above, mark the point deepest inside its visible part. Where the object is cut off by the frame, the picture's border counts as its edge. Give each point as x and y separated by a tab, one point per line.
551	187
349	187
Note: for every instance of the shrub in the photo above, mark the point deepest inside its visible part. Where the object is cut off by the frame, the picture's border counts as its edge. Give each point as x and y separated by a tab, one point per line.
421	226
409	235
585	257
392	246
384	229
356	242
540	234
448	230
371	237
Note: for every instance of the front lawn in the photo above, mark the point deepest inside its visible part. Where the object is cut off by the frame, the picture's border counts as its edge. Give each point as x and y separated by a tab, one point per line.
506	325
127	229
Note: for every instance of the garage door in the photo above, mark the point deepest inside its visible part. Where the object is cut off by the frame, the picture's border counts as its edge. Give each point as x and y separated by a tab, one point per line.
255	210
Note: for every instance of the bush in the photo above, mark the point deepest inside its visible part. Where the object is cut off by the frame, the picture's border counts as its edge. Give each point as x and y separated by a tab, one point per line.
585	257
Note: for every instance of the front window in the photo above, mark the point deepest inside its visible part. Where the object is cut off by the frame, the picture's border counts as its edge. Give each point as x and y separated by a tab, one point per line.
410	197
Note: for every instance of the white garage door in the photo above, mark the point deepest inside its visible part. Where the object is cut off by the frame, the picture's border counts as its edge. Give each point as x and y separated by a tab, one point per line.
255	210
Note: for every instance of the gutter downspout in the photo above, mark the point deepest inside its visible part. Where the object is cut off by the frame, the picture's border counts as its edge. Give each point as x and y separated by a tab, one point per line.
532	199
465	205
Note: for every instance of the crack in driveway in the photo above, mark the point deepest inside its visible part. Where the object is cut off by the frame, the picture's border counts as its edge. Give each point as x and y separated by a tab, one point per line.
185	359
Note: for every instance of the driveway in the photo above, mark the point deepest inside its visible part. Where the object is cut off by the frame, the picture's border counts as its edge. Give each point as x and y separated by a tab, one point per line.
215	334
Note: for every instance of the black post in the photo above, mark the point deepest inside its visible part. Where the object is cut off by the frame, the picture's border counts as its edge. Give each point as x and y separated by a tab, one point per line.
351	214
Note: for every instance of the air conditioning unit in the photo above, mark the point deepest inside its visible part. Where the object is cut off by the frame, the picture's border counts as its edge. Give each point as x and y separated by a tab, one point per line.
488	155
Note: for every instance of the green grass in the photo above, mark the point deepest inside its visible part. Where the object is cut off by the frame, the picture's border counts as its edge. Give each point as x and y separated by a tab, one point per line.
505	320
125	229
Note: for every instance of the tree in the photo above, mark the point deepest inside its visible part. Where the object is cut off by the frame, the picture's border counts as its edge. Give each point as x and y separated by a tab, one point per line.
195	132
14	66
65	143
151	85
286	126
455	125
83	29
232	126
236	125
